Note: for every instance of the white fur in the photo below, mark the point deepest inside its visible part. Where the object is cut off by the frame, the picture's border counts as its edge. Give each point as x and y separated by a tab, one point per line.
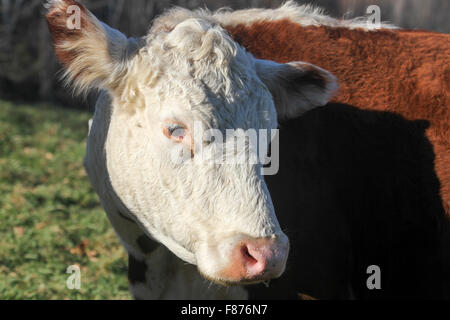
202	76
188	69
306	15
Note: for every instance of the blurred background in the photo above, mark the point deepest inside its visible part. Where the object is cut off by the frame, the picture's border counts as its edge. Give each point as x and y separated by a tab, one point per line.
50	217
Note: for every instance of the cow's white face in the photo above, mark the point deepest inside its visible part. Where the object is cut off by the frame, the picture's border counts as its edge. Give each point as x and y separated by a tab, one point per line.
185	79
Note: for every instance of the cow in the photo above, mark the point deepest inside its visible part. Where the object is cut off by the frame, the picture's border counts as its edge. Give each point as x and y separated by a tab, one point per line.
357	184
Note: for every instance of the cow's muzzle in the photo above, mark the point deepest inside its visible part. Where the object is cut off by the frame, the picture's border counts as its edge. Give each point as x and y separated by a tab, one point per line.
255	260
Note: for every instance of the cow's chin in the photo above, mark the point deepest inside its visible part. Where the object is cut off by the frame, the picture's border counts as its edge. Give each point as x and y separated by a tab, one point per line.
218	279
229	282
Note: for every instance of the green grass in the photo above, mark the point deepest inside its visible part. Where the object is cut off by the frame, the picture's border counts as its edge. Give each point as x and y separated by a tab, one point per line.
50	217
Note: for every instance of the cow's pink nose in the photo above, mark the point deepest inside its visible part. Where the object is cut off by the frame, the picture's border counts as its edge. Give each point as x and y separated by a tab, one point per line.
259	259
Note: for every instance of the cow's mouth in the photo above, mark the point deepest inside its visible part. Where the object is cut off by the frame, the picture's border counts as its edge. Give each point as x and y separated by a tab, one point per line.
234	283
252	261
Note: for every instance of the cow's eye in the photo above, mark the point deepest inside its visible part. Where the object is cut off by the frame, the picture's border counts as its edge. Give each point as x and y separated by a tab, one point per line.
175	131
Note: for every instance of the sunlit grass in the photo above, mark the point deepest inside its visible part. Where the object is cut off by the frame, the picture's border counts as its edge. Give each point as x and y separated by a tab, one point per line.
50	217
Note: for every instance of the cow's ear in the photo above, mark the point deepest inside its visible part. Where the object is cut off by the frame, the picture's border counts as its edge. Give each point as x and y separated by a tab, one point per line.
296	87
92	53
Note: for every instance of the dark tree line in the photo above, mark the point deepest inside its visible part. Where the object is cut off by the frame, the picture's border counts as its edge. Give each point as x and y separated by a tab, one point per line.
28	68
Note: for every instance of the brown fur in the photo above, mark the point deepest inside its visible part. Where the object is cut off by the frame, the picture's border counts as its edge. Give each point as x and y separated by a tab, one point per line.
400	71
57	24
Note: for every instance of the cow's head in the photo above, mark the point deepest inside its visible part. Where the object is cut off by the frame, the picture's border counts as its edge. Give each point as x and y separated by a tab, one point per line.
185	75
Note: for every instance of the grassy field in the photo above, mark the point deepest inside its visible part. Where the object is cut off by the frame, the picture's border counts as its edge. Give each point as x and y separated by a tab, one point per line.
50	217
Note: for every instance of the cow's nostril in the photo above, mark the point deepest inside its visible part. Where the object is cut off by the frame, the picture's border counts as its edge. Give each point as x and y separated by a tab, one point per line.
257	259
262	258
248	257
